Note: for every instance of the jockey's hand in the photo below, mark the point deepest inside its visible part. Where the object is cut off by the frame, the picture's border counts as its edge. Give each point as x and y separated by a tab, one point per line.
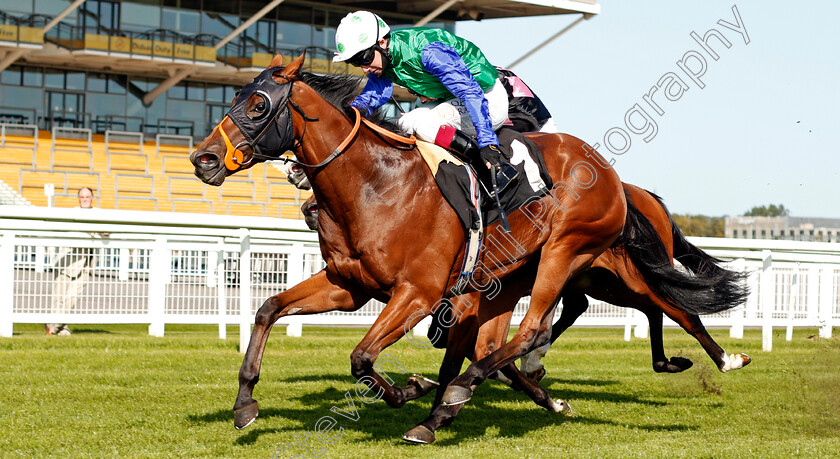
491	155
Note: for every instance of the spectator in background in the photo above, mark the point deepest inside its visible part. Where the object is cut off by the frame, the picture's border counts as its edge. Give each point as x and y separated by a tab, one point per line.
72	269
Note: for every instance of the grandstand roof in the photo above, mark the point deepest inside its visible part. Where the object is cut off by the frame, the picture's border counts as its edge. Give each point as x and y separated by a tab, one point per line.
414	12
461	10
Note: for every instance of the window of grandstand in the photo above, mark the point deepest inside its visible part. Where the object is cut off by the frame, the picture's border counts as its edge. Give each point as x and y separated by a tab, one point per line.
139	18
184	21
99	16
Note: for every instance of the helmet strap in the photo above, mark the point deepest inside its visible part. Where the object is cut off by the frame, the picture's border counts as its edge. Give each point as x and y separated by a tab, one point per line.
386	56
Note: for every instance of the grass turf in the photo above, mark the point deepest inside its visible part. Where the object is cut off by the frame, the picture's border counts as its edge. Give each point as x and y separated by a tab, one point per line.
112	390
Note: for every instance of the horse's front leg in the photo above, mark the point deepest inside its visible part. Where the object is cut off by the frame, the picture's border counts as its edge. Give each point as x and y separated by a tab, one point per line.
319	293
661	363
574	305
393	322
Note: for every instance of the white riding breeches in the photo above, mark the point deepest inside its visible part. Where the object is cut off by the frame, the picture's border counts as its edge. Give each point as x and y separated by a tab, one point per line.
426	120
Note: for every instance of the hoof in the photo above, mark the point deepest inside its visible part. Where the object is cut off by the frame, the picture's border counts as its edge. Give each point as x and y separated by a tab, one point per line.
456	395
746	359
680	362
675	365
422	383
537	375
560	406
735	362
243	417
498	376
420	434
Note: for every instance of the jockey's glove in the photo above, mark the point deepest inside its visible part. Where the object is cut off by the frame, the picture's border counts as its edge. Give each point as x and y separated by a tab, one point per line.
490	154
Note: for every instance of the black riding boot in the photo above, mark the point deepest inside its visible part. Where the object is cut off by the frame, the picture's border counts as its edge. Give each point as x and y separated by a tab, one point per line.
458	143
465	148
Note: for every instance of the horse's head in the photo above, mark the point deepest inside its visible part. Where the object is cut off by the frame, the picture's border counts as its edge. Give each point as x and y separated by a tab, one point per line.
258	126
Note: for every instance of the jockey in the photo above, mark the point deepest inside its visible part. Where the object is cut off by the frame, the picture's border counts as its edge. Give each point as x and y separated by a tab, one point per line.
460	90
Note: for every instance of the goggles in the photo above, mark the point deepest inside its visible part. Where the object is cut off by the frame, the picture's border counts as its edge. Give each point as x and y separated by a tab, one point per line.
363	57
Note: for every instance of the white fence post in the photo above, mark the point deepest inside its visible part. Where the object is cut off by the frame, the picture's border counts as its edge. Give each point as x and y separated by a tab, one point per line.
244	289
767	300
642	325
793	304
159	274
294	276
628	324
826	300
40	258
7	283
813	305
736	316
221	287
124	260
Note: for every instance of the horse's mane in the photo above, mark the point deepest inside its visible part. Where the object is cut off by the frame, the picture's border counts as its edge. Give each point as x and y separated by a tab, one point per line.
340	90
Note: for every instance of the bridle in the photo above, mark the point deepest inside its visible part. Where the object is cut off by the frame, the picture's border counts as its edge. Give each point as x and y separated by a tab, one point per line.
234	158
271	135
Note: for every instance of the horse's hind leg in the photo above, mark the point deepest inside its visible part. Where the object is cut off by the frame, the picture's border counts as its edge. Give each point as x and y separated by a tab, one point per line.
637	293
691	323
317	294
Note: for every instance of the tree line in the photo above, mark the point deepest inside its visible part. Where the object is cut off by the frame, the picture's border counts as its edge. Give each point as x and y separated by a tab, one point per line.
701	225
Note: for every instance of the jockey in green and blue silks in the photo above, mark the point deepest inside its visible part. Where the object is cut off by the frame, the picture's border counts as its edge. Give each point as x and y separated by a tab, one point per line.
459	88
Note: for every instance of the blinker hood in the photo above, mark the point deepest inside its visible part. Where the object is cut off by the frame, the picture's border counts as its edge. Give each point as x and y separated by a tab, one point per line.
265	140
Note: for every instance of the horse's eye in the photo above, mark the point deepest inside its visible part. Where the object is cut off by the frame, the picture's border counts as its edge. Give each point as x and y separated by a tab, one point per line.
259	110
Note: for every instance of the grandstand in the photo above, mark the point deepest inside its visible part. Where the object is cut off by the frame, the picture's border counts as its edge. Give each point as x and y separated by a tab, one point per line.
114	94
127	172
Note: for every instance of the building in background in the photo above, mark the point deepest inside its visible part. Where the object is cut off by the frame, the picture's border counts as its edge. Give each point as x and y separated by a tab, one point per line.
784	228
173	66
114	94
149	66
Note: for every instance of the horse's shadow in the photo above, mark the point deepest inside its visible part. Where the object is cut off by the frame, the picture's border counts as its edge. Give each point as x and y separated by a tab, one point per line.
377	421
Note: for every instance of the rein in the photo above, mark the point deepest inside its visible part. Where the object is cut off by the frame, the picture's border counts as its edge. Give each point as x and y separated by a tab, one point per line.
353	133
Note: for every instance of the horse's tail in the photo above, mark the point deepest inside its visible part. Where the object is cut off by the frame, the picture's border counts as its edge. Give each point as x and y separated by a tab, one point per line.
708	289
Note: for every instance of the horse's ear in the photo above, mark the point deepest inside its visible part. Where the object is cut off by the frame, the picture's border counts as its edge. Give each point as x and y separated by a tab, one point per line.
293	69
277	61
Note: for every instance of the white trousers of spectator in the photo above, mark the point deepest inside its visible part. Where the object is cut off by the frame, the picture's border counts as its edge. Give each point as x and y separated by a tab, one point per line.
68	289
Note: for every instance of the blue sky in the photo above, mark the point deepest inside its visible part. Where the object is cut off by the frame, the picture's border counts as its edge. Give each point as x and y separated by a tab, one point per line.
763	130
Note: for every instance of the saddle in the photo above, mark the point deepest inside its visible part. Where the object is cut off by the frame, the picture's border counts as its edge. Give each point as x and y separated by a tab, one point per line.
522	176
467	185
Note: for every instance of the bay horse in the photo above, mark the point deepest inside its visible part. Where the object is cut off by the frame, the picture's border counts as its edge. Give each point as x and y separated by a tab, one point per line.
401	261
413	259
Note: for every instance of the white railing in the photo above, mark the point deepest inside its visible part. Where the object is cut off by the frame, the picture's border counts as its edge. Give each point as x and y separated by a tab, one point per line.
164	268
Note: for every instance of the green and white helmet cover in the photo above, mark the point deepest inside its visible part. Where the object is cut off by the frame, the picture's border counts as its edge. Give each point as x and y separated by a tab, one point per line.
356	32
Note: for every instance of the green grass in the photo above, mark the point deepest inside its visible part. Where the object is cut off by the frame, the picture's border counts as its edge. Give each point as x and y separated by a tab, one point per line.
113	390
